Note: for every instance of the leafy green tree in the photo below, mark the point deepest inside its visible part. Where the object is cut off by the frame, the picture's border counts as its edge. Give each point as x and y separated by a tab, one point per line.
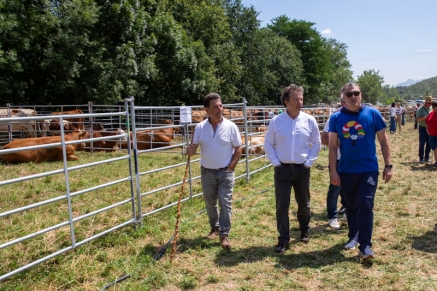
391	95
206	21
371	86
39	53
315	58
271	63
243	21
183	71
340	72
102	51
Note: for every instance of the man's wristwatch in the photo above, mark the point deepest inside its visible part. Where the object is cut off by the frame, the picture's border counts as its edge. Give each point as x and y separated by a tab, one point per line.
389	166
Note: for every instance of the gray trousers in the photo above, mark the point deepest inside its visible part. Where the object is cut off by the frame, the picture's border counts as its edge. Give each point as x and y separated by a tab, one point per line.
286	177
218	185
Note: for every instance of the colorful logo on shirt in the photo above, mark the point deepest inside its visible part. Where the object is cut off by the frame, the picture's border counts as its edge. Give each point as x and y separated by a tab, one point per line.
356	133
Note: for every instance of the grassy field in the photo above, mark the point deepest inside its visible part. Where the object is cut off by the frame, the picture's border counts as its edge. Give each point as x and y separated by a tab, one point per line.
404	239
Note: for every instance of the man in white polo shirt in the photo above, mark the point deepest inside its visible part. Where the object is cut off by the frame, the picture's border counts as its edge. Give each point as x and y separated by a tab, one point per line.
220	142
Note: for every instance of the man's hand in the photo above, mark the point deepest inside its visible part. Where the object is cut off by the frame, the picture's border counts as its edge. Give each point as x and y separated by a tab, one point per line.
386	174
335	179
191	150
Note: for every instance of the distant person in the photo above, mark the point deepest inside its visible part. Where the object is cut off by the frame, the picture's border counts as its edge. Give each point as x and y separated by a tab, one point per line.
403	115
292	144
399	111
393	118
415	111
431	129
333	190
424	147
220	142
357	127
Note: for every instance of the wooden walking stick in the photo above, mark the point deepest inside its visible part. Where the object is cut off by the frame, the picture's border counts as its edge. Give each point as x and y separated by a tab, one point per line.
178	216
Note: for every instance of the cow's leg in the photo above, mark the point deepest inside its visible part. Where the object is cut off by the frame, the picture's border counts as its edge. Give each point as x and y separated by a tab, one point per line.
72	158
70	153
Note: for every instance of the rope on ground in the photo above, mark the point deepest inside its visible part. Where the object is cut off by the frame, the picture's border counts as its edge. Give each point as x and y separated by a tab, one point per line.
165	247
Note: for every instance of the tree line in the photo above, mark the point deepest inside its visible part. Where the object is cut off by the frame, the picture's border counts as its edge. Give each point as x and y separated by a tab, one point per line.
168	52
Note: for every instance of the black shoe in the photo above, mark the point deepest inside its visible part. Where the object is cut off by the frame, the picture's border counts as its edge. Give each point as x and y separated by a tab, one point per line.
305	236
341	210
281	248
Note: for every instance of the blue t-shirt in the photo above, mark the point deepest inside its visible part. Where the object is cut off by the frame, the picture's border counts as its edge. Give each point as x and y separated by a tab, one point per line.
357	133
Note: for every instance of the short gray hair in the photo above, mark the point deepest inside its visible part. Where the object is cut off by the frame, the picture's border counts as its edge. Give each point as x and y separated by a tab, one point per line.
349	84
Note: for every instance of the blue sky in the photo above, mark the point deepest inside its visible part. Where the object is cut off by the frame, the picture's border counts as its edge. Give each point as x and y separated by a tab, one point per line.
396	38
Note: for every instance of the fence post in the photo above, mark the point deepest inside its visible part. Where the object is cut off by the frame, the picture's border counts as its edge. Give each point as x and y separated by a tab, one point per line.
9	123
90	122
246	137
67	184
139	219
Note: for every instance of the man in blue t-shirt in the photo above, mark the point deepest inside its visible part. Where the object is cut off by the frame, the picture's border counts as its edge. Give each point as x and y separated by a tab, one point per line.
355	126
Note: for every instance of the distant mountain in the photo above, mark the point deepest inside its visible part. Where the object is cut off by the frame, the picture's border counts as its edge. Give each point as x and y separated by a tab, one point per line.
408	83
419	90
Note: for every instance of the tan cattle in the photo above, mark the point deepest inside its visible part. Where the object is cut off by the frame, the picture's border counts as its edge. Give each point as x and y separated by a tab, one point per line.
42	154
261	128
99	145
28	127
114	143
76	122
255	145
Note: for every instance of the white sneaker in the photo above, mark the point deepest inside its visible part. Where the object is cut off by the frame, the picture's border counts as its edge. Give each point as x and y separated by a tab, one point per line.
333	223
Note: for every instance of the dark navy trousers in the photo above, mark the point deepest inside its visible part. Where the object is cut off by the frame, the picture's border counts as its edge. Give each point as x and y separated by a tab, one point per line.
359	195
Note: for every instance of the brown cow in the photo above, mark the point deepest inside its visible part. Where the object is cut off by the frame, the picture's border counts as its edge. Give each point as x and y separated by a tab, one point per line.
150	139
77	122
53	126
99	145
261	128
111	144
256	144
42	154
96	127
198	115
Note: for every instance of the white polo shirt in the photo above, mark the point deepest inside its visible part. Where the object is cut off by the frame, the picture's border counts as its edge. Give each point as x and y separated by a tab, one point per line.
217	147
291	140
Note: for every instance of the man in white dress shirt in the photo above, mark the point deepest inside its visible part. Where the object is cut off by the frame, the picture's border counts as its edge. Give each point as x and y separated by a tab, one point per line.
292	144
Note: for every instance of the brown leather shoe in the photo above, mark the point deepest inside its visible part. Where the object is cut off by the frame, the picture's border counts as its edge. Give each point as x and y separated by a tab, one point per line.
226	244
214	233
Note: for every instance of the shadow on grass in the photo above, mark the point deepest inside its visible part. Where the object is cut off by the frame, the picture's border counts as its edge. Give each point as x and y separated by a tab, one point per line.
289	260
426	242
321	167
415	166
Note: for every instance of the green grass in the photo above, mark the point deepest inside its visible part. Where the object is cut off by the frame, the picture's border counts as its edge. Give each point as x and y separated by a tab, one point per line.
404	239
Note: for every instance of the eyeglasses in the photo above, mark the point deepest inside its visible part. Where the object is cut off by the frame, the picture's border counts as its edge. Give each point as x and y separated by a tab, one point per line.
355	93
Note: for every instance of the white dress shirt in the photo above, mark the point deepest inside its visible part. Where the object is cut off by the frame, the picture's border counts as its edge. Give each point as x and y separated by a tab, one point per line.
291	140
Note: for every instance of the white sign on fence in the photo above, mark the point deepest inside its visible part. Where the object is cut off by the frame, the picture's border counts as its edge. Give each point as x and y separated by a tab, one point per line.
185	114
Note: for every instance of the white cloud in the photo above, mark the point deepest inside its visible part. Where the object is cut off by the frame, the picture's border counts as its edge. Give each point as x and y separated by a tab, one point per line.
426	50
326	31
